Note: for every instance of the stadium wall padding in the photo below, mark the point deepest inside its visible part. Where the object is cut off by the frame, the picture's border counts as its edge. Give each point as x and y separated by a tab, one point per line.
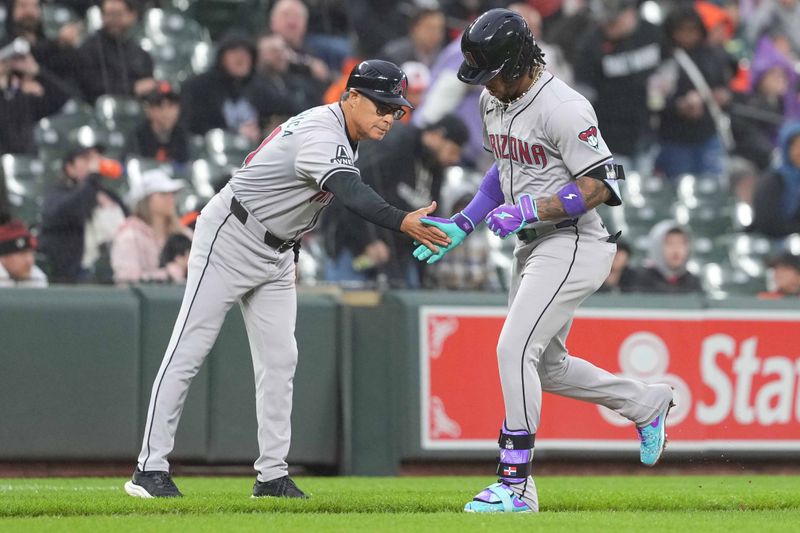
77	366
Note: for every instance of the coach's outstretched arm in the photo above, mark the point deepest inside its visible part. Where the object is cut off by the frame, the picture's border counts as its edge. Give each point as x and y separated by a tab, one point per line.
362	199
461	224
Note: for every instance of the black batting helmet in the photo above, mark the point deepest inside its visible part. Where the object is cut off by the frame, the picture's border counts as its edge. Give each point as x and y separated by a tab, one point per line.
380	80
498	42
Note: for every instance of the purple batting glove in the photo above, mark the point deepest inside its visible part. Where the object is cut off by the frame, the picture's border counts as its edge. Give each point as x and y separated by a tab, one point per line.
509	219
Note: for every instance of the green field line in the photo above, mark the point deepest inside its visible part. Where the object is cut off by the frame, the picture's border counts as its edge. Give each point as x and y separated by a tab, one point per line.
569	522
613	503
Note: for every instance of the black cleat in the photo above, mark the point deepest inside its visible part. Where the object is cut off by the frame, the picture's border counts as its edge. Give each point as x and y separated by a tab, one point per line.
152	484
283	487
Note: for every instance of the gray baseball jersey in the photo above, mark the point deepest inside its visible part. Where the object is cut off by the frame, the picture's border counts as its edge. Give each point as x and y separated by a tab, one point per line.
280	184
541	142
281	181
544	140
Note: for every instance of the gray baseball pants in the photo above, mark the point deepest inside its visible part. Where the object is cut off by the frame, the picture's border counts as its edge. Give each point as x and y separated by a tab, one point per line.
551	277
229	264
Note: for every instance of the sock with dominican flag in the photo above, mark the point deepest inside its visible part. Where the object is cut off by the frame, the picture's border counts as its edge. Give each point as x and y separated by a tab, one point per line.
514	467
516	454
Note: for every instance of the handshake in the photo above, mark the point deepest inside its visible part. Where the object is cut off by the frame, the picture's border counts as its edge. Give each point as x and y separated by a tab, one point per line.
503	221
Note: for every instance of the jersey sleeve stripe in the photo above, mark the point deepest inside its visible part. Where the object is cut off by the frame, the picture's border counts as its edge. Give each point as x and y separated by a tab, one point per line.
592	167
333	171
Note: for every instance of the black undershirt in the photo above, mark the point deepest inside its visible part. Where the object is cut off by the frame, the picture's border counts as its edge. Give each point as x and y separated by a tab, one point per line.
362	200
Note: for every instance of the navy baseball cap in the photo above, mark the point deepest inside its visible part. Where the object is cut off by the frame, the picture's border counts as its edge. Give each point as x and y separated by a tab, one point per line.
382	81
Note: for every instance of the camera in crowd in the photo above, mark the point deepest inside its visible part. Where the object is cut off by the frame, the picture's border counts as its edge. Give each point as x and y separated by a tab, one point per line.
19	47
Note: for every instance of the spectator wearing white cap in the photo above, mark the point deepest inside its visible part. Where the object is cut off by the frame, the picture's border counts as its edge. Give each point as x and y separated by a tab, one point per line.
419	79
138	244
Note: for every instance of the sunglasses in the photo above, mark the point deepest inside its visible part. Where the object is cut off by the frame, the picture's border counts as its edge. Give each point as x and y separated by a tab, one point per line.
382	109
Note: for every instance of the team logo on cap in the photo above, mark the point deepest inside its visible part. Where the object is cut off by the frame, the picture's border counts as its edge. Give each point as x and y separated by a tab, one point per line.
470	59
400	87
589	136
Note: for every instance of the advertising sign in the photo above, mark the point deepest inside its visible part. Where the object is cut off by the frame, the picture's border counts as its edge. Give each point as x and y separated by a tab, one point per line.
736	376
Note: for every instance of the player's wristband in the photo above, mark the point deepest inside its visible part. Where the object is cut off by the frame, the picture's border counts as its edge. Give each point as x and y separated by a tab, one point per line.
527	206
572	200
463	222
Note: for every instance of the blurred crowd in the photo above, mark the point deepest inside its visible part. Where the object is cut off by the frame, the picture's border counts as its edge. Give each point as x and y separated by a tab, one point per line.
120	118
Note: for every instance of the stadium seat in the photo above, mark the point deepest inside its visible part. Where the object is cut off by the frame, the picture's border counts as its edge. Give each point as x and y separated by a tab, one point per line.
184	6
27	208
55	16
172	60
722	279
707	249
226	148
205	176
201	57
51	133
652	189
94	19
114	143
220	15
790	243
706	219
24	169
179	46
640	217
748	245
197	147
118	113
169	26
696	190
25	183
136	166
742	215
3	17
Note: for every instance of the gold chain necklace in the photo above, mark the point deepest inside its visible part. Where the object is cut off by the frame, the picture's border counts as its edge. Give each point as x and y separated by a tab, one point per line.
540	71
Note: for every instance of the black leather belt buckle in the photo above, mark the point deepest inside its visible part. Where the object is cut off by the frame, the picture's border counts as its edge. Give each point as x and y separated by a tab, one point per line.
287	245
279	245
567	223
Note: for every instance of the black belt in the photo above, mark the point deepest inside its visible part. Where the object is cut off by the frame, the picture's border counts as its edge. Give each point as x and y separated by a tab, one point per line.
269	239
529	235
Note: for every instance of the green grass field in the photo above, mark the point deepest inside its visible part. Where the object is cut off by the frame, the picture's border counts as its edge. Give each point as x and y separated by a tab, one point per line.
647	504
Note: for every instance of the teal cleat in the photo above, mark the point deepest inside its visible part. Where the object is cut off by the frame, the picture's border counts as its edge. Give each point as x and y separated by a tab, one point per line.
653	437
497	498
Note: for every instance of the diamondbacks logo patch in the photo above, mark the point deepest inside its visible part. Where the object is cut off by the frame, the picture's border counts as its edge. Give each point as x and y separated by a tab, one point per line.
342	157
400	87
470	59
589	136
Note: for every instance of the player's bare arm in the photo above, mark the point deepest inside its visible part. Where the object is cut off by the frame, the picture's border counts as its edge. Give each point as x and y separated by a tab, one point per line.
427	235
594	192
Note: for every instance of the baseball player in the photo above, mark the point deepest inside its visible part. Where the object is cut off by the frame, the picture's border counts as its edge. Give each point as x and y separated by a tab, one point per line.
242	252
551	170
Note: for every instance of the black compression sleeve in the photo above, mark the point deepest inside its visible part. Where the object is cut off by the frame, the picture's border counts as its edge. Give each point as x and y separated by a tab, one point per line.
362	200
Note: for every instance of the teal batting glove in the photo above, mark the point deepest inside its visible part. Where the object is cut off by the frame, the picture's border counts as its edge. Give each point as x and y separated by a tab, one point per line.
457	228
